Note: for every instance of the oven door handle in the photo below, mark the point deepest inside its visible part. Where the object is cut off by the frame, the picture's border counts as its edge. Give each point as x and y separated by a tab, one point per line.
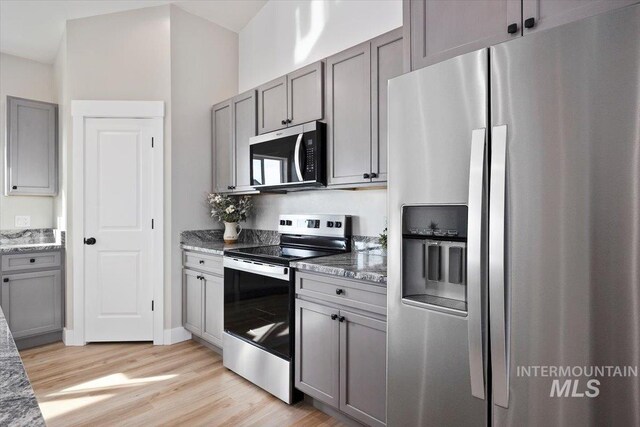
276	271
296	157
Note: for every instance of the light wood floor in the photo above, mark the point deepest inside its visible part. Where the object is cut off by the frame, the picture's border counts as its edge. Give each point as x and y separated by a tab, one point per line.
142	385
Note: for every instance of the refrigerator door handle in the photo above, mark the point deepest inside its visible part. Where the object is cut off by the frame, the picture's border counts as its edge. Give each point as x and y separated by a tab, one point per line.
497	282
474	261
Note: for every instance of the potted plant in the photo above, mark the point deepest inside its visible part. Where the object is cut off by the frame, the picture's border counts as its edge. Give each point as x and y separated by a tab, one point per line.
230	210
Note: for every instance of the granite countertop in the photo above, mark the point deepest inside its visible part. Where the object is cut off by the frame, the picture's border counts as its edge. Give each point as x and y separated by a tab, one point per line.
210	241
31	240
33	247
369	265
218	247
18	404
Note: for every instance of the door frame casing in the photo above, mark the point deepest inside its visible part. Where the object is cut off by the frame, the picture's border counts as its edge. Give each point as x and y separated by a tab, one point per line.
80	112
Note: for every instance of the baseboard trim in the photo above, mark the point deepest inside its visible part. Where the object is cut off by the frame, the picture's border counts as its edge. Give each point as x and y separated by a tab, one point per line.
69	339
176	335
333	412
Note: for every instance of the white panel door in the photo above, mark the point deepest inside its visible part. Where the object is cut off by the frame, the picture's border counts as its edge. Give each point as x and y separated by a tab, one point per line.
118	209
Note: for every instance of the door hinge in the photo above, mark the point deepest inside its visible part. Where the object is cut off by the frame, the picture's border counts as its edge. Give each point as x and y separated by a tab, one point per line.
151	142
152	223
152	307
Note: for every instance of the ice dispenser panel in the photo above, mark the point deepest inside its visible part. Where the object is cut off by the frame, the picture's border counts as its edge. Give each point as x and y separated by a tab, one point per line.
434	257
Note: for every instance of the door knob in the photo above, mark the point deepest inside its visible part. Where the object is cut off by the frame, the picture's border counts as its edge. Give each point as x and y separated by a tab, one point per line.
90	241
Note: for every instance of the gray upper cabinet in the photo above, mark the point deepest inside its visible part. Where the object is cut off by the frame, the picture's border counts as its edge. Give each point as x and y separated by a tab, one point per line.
244	127
31	151
317	352
349	115
363	368
272	105
436	30
32	302
386	63
292	99
234	122
305	94
543	14
222	132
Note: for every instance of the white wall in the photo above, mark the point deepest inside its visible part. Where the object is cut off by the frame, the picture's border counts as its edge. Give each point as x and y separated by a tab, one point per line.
23	78
204	71
286	35
281	38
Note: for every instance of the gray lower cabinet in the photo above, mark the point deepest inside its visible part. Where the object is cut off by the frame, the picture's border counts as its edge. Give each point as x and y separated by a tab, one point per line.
203	296
340	348
356	99
233	123
293	99
32	296
31	151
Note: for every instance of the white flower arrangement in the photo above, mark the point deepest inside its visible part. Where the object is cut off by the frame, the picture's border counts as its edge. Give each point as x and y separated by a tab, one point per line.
229	208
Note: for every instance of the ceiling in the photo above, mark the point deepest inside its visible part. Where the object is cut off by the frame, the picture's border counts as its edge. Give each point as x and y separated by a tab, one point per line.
33	28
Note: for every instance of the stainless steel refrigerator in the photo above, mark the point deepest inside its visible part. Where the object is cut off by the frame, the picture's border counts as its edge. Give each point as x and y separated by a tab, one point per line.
514	232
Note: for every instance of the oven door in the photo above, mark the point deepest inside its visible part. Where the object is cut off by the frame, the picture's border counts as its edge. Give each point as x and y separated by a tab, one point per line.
258	304
289	158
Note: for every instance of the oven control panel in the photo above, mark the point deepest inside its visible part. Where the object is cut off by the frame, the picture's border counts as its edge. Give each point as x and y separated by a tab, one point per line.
316	225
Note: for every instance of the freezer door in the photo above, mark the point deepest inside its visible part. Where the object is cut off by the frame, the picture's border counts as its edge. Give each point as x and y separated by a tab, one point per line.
565	224
437	359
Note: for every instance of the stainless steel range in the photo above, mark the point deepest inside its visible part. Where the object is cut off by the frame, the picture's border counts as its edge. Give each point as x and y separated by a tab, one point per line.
259	299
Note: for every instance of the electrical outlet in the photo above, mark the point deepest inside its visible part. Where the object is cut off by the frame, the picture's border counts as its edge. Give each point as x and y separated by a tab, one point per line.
23	221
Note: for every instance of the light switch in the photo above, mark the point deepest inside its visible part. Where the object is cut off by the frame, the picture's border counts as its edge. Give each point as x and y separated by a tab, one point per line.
23	221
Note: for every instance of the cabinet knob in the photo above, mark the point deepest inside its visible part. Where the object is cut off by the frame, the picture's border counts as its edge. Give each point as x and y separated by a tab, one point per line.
6	279
339	291
341	319
32	260
333	316
366	176
201	261
14	187
374	175
284	122
512	29
288	121
529	22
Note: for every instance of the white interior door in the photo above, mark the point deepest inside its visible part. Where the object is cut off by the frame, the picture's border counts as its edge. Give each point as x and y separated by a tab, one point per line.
118	203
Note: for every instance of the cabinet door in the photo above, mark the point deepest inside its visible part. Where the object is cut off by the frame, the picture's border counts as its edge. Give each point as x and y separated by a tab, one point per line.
316	359
272	105
31	157
192	301
386	63
349	115
222	131
363	368
551	13
32	302
244	127
440	30
305	94
213	309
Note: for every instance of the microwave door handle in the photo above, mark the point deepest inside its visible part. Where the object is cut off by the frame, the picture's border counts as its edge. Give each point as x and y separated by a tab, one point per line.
296	157
475	249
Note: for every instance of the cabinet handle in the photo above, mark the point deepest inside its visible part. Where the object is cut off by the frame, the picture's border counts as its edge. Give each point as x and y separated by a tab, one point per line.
288	121
366	176
374	175
201	261
32	260
341	319
339	291
333	316
229	187
512	29
6	279
529	22
284	122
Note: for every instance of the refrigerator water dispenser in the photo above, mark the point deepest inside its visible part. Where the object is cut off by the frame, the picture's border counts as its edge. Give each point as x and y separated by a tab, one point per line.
434	257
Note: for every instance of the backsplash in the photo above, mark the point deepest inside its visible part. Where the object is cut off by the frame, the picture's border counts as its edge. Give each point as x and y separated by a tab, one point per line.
28	236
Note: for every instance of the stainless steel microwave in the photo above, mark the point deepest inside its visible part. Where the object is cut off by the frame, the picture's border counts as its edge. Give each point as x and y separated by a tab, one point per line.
291	158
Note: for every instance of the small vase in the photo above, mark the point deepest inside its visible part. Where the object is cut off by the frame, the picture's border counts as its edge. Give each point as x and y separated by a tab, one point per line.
231	232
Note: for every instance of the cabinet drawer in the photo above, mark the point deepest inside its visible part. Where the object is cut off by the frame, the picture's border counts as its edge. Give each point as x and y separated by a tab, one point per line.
14	262
352	293
203	262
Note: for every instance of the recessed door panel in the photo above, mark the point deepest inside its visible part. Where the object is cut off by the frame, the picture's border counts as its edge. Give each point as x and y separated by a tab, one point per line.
119	283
